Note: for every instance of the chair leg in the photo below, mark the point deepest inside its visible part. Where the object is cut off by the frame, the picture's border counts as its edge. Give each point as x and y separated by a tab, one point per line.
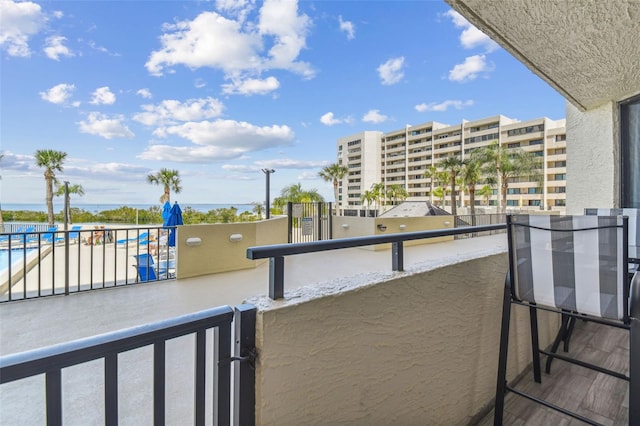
535	345
634	372
567	337
559	338
501	387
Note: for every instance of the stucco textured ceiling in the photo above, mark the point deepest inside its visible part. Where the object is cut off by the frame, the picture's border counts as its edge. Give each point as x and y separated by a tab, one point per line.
588	50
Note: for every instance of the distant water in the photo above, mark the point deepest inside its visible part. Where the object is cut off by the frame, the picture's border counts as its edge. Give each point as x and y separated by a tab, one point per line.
96	208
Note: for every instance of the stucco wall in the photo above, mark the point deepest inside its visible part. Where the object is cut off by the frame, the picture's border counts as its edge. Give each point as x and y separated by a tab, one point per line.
592	158
416	349
217	253
363	226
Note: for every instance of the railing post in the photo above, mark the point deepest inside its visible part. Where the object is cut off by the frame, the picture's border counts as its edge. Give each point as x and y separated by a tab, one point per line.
66	260
245	377
319	218
276	277
397	253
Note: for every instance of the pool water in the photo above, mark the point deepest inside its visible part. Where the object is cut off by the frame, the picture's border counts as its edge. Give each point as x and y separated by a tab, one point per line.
16	257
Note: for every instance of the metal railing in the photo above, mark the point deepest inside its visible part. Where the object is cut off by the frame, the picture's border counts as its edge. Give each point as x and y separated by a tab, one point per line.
52	360
277	252
464	220
52	262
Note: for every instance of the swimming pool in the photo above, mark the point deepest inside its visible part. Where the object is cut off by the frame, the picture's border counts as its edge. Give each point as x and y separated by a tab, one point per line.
16	258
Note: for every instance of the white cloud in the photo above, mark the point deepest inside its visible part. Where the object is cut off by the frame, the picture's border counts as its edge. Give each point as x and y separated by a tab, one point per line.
471	37
103	96
329	119
391	71
241	50
20	21
280	163
443	106
145	93
374	116
171	111
347	27
58	94
105	126
54	48
470	68
251	86
289	163
217	140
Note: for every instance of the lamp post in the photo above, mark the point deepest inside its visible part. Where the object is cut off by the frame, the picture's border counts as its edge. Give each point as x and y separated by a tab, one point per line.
267	173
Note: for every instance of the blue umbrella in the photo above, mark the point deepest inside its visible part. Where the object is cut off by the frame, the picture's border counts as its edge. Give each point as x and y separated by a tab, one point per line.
166	212
175	219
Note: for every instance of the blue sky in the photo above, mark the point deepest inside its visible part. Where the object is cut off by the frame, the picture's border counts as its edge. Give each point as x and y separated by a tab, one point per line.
221	89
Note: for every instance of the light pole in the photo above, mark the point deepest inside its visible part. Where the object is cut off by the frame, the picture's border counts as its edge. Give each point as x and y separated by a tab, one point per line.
267	173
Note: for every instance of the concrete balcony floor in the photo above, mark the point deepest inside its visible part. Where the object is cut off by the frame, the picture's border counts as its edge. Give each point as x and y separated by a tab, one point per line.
31	324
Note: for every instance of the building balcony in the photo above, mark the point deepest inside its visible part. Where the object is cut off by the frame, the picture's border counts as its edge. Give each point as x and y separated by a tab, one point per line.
353	343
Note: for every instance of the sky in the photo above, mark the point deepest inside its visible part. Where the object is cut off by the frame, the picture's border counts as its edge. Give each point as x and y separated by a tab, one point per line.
219	90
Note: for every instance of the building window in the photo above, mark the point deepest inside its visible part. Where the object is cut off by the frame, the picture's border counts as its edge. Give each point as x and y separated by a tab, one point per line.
630	152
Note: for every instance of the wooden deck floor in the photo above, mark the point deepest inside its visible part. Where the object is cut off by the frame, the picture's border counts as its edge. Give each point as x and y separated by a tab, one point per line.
597	396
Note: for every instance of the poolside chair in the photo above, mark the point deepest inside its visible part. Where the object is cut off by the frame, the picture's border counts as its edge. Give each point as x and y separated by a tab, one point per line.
147	270
137	239
74	234
575	266
19	236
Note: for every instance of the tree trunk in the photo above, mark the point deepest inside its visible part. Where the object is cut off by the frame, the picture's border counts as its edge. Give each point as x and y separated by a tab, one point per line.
49	197
503	193
472	202
454	208
335	196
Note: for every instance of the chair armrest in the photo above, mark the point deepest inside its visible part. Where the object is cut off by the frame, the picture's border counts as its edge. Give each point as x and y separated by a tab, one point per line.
634	297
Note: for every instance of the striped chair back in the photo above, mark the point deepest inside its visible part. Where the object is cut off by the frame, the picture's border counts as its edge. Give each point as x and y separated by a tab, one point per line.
576	263
632	214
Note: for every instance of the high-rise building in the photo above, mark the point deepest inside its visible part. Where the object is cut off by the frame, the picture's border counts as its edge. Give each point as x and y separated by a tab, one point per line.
360	153
405	156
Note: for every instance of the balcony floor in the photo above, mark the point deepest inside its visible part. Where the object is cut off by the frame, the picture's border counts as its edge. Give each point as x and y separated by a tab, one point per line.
597	396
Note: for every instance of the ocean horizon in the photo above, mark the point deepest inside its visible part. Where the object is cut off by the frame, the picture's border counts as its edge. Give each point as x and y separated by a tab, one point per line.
97	208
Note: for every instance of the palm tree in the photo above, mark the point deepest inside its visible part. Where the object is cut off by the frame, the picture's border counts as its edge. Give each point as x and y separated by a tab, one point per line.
368	197
258	209
453	165
169	179
334	173
295	194
486	192
52	162
432	174
440	192
396	192
378	193
508	164
471	173
73	189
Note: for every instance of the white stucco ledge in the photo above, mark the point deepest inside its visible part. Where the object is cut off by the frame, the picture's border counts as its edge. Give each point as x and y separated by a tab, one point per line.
356	269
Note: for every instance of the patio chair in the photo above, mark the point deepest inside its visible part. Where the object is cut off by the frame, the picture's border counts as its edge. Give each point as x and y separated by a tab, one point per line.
575	266
148	270
74	234
137	239
634	226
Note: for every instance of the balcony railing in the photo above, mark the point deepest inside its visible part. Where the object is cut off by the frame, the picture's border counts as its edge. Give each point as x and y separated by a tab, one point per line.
277	252
37	263
51	362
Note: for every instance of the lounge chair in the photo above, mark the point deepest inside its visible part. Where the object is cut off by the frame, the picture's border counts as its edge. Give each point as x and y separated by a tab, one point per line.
20	236
147	270
74	234
138	239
